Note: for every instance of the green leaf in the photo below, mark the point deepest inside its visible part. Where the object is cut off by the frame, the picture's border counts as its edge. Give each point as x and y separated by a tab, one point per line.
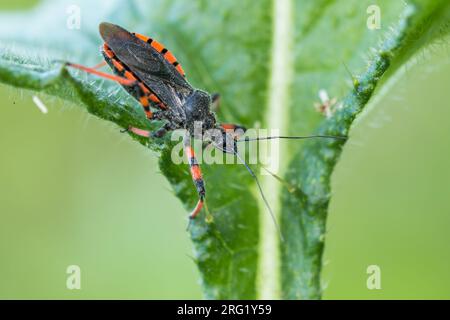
268	61
304	213
212	56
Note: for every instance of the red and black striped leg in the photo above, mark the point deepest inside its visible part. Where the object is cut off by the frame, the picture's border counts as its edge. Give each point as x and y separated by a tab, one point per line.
121	80
234	131
196	176
140	132
151	134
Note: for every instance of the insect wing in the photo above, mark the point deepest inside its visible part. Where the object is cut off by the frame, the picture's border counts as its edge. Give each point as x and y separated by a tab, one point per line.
147	64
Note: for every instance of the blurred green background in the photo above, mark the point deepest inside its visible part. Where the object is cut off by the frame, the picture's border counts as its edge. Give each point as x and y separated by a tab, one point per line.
73	190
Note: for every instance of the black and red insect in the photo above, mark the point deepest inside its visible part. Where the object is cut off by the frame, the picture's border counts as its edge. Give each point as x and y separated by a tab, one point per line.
152	75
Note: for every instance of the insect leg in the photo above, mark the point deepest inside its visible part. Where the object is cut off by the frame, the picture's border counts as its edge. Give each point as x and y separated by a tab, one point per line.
234	132
121	80
196	176
151	134
99	65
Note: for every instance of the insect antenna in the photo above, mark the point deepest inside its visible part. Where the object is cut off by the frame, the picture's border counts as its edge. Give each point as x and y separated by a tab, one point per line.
287	185
291	188
293	137
261	193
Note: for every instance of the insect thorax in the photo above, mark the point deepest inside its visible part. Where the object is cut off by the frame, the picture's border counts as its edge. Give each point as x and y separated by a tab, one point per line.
197	108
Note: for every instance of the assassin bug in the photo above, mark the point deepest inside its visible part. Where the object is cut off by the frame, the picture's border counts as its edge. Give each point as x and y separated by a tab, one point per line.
152	75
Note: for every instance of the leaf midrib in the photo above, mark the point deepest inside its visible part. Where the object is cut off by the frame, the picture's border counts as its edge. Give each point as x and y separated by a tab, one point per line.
275	118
